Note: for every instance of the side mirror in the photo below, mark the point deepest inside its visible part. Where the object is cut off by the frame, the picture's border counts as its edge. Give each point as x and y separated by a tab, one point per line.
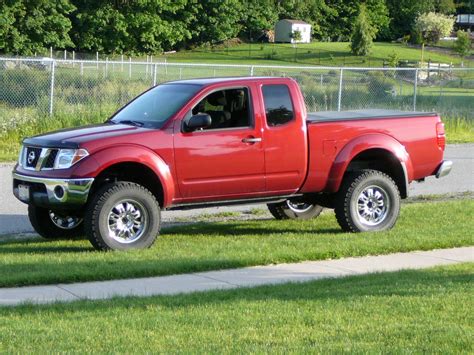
201	120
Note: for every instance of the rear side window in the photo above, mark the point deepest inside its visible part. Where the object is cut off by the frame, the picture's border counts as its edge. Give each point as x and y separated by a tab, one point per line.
278	106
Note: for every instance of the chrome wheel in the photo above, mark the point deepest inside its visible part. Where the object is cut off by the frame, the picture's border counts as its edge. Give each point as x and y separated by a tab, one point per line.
127	221
64	222
298	207
372	205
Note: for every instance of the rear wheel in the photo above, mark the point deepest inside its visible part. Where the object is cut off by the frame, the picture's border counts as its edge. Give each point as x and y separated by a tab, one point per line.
294	209
368	200
122	216
55	225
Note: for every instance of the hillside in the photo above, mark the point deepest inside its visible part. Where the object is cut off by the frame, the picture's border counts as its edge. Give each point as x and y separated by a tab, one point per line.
316	53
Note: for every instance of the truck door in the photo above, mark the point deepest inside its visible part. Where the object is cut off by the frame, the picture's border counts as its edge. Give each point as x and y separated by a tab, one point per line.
284	138
226	159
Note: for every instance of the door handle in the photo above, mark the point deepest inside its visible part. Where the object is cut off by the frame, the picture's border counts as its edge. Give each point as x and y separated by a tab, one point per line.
251	140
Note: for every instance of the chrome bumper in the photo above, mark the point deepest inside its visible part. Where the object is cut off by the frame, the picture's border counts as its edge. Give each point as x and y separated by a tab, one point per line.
50	192
444	169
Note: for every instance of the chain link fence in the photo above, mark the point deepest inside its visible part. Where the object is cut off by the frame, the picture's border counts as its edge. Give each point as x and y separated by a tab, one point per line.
89	88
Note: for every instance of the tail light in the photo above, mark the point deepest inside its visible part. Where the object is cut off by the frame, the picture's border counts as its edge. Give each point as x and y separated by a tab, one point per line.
440	135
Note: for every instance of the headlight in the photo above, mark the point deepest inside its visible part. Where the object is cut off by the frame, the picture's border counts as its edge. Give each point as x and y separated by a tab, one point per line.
68	157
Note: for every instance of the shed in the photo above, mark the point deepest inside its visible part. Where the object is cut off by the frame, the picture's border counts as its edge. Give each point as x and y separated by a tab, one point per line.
285	28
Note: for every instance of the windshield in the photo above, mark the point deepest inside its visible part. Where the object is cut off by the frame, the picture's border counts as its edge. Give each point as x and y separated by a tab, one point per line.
155	107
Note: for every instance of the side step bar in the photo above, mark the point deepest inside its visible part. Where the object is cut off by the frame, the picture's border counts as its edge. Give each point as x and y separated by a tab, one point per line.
272	199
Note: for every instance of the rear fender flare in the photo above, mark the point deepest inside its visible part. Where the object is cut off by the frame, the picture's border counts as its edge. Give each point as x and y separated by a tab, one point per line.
364	143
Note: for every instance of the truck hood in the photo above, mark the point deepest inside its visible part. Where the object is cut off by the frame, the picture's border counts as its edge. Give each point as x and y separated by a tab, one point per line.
74	137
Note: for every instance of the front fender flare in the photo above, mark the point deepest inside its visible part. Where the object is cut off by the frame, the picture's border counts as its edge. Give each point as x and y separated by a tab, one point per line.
364	143
130	153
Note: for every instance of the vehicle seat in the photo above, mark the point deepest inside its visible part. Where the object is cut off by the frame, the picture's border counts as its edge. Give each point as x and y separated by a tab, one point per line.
220	118
238	109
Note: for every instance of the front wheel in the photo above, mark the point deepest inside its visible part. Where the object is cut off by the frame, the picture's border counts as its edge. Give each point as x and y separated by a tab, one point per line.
368	200
55	225
294	209
122	216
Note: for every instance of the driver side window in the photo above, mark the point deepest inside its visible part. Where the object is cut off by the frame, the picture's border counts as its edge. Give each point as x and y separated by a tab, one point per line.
228	108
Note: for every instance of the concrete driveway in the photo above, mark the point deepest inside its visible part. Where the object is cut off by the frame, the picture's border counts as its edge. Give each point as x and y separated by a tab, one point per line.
13	218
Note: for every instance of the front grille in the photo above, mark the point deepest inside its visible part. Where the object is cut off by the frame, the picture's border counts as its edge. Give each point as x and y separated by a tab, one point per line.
49	162
32	156
35	158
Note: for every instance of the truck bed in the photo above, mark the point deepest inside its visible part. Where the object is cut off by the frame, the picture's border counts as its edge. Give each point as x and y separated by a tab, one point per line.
367	114
332	135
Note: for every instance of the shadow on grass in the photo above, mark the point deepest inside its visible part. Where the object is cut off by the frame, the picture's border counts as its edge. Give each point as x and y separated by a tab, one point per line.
244	229
44	249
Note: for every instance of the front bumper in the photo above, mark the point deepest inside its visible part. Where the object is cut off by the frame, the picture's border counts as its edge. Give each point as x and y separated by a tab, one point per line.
444	169
50	192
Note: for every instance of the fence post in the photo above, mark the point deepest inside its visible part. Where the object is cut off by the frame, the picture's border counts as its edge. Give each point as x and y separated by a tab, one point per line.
82	68
339	97
129	67
97	59
251	70
51	93
415	87
155	67
146	67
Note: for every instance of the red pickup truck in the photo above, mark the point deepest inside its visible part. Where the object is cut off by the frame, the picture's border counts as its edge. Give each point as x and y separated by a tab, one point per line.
220	141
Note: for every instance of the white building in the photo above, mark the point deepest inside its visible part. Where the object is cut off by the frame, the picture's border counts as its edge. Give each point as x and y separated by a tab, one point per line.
285	28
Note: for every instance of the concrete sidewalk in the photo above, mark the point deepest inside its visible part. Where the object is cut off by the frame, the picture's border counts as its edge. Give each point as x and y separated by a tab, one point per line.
234	278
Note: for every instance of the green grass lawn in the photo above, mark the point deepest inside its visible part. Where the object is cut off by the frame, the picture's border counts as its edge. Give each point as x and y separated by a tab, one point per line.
232	244
450	45
424	311
316	53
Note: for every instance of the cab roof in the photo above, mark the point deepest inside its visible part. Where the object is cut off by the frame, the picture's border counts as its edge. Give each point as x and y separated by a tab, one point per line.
229	79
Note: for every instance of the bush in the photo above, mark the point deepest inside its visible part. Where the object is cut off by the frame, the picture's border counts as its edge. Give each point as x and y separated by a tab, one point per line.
433	26
463	43
393	59
380	85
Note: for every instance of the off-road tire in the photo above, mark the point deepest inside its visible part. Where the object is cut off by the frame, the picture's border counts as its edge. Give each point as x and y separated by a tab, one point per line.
44	226
347	200
281	210
97	216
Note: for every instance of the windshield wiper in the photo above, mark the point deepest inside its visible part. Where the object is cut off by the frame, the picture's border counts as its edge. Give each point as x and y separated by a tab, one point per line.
131	122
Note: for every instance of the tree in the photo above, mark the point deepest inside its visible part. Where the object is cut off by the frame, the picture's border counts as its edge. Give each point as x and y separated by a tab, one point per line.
10	38
296	36
258	15
100	27
347	11
363	34
216	20
132	26
433	26
463	43
445	6
403	14
28	26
